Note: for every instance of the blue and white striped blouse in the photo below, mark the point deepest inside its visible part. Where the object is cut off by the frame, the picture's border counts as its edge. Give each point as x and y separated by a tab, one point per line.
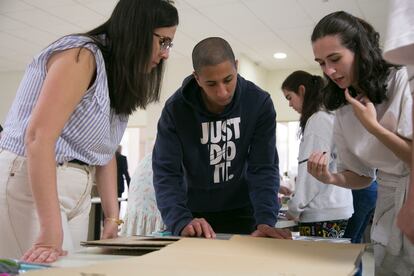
93	131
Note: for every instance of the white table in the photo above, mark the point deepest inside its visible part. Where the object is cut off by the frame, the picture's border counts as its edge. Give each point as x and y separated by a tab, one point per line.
89	256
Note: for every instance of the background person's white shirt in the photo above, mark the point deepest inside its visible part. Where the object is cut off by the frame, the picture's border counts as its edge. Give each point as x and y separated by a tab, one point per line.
315	201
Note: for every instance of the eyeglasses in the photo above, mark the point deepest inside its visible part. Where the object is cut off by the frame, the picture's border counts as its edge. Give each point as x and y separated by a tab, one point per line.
165	42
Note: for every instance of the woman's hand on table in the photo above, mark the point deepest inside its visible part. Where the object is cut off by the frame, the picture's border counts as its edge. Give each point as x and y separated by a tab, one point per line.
110	230
198	227
47	248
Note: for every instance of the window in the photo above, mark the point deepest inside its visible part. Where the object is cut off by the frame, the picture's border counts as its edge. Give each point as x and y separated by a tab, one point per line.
130	147
287	143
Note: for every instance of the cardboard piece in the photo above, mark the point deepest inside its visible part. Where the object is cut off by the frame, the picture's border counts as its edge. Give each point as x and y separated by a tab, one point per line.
238	256
133	243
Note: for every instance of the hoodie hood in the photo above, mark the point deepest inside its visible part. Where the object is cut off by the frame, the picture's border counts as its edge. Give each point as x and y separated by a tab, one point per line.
191	93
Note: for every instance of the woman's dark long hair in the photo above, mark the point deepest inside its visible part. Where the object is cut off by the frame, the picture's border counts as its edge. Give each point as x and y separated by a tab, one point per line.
371	70
312	100
127	51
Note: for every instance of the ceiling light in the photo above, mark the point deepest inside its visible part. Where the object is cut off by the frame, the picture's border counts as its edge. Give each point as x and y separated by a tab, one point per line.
279	55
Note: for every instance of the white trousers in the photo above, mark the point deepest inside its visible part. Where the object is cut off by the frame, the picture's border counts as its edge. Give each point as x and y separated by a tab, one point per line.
393	252
19	225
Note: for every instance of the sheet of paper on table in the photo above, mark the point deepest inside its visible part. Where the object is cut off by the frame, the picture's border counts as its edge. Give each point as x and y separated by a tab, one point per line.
241	255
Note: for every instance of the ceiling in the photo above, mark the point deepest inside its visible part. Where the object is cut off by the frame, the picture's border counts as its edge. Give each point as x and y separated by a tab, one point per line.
255	28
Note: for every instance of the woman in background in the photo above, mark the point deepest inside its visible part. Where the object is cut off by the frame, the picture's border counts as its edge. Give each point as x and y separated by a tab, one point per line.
373	128
142	216
321	210
68	117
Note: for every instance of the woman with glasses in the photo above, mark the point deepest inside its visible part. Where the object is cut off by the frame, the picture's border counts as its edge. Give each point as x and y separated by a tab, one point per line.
68	117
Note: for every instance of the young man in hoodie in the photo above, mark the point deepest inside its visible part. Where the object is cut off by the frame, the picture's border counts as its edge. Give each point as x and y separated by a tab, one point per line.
215	161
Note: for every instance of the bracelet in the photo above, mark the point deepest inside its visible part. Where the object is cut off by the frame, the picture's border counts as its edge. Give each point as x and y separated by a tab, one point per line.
116	220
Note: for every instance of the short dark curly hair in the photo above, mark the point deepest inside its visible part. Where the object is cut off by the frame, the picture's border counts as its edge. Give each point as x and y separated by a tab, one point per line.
212	51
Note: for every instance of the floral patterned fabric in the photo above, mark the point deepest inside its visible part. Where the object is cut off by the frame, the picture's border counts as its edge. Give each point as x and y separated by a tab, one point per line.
325	229
142	216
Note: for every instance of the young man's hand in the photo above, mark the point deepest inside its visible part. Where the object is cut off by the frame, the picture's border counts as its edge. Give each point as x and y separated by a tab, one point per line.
264	230
198	227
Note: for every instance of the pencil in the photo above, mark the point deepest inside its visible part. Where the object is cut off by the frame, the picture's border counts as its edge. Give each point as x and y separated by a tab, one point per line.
304	160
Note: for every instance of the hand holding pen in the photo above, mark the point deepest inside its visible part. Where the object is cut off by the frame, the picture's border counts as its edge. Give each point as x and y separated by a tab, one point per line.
304	160
318	167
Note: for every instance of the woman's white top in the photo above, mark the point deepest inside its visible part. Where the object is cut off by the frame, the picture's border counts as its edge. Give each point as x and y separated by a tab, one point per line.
362	152
313	200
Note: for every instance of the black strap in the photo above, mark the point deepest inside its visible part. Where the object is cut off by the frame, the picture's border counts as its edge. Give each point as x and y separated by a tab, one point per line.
79	162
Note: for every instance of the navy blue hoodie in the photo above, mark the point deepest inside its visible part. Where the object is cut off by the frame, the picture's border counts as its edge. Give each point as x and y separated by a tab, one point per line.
205	162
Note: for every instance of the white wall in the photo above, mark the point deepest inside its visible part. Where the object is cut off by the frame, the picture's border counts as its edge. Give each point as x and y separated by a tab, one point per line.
271	81
252	71
274	82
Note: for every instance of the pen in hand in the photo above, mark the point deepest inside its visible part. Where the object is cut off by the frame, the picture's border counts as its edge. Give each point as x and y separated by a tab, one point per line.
304	160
